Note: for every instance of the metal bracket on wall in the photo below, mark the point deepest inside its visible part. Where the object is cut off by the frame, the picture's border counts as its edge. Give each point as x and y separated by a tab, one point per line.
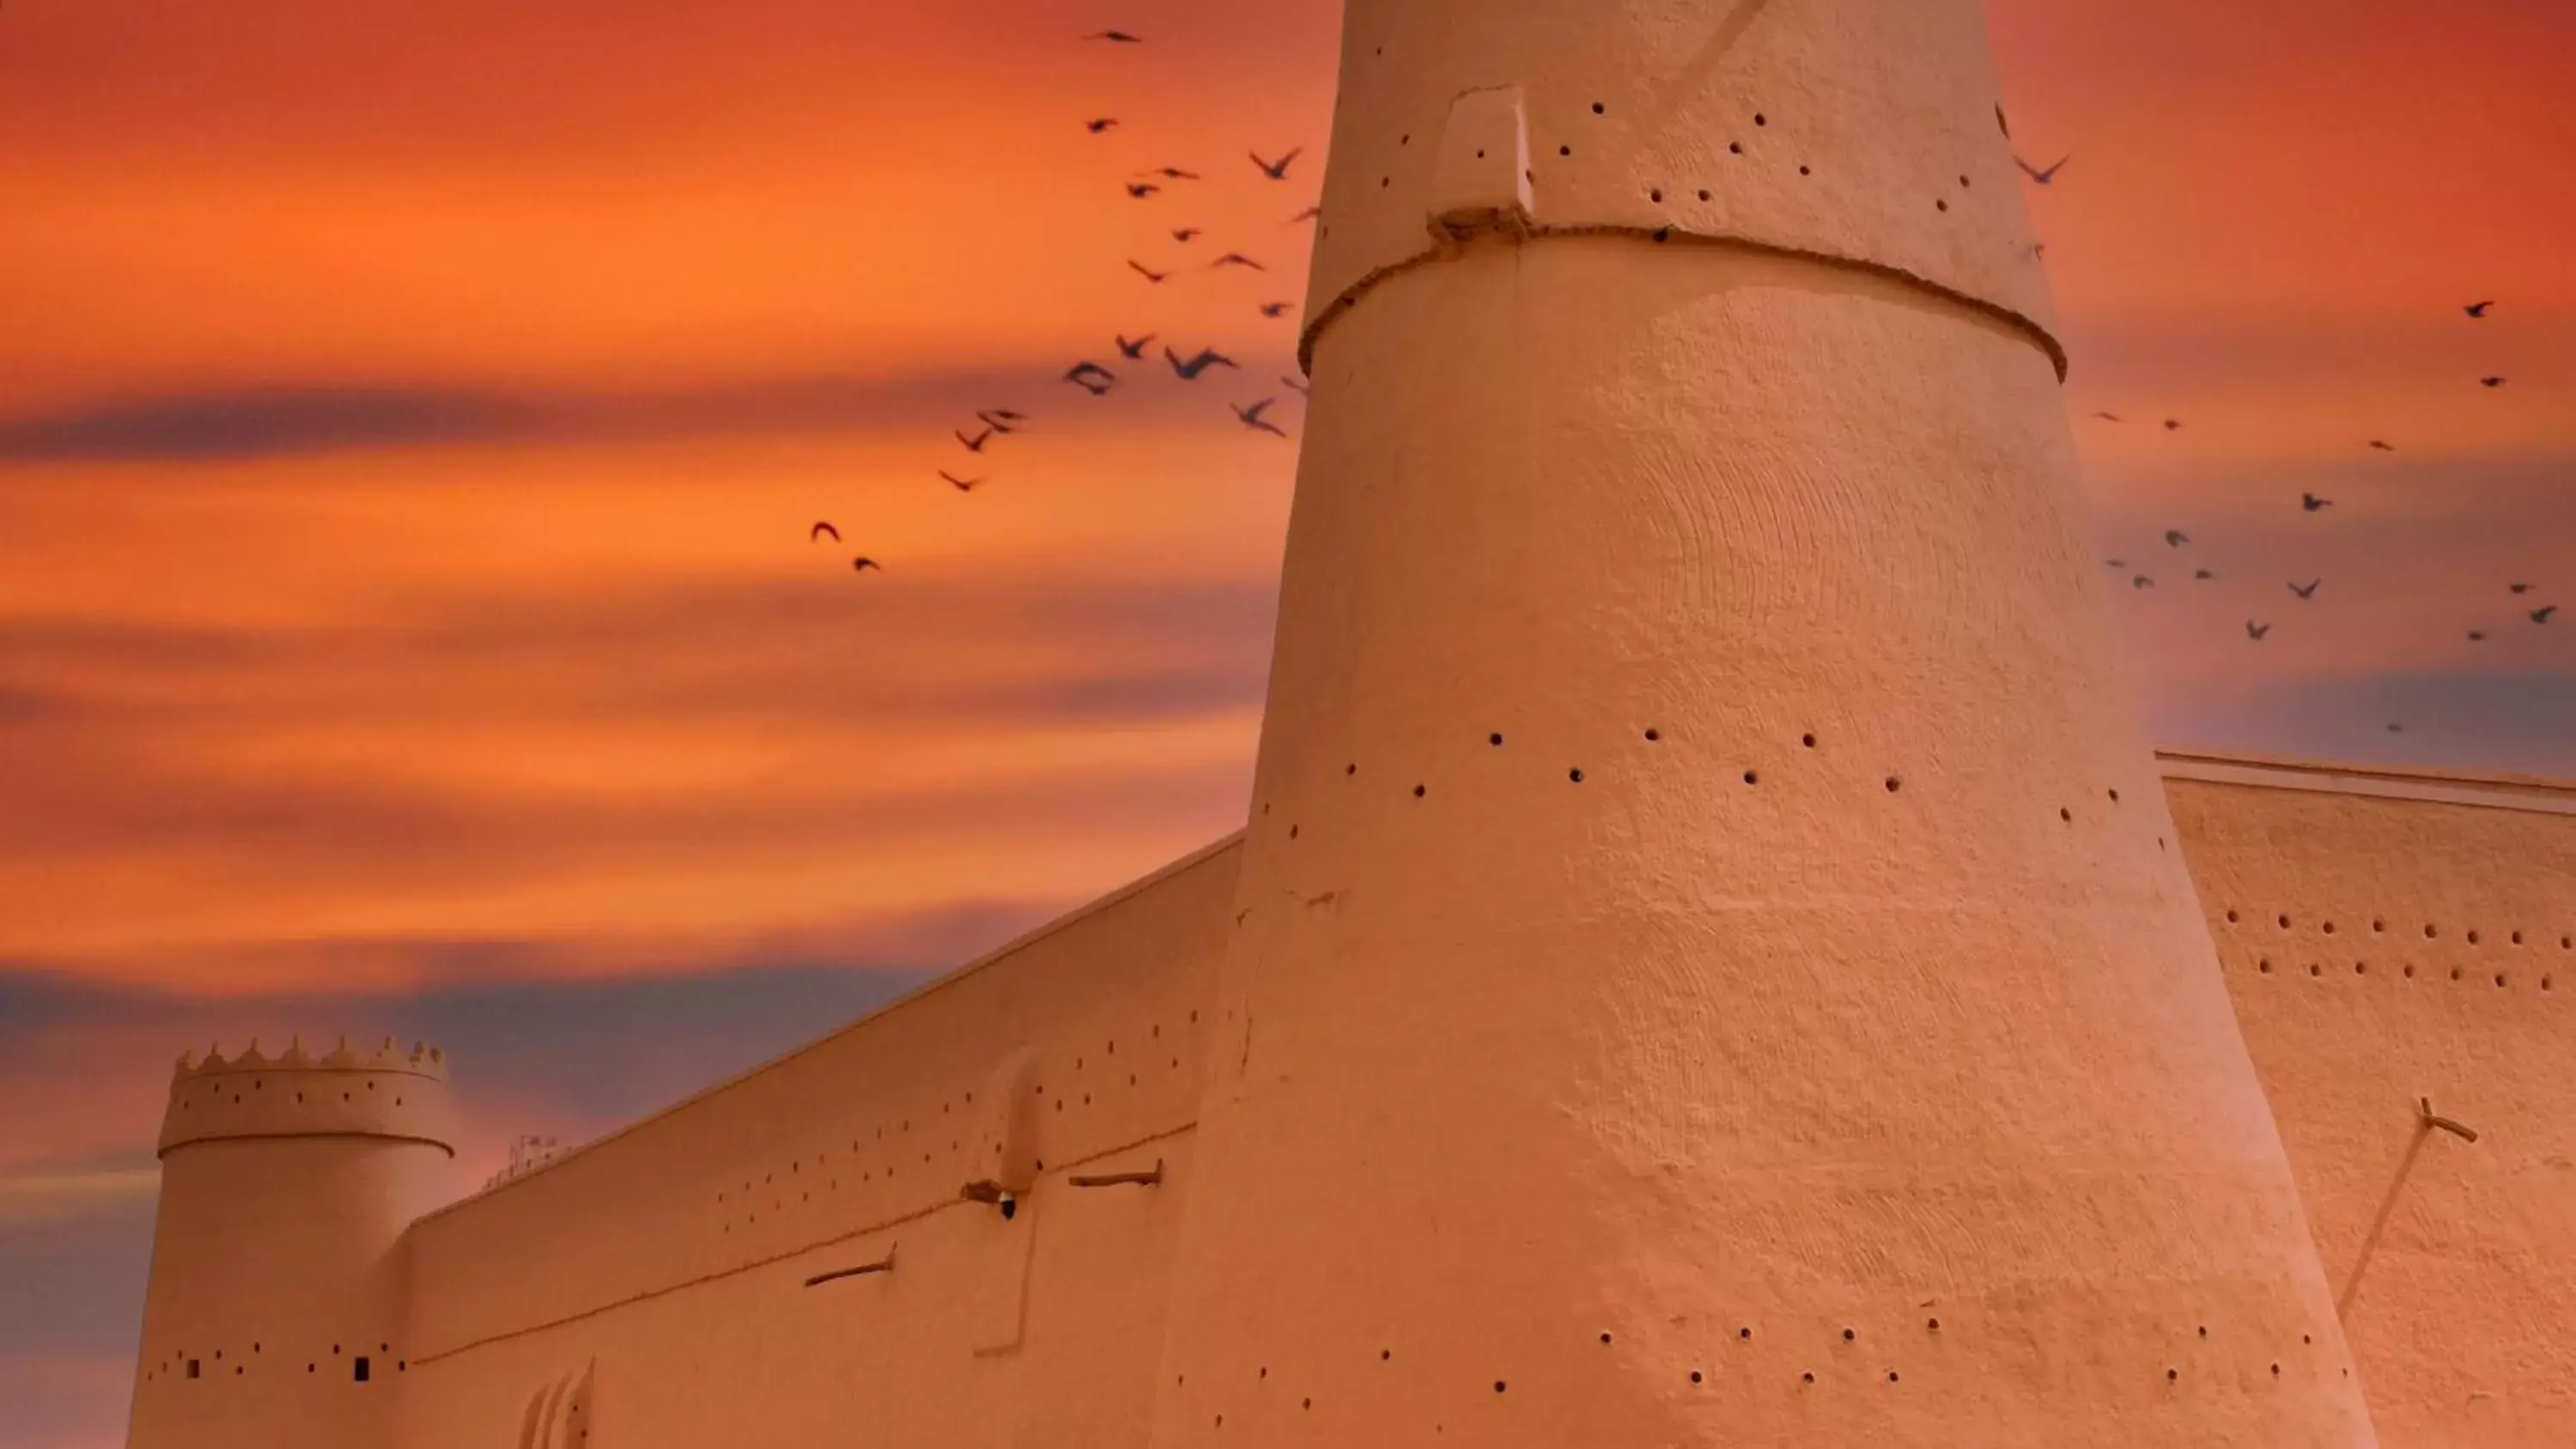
1120	1179
885	1265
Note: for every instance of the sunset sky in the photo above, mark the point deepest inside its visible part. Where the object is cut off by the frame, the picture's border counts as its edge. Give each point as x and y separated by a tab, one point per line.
411	416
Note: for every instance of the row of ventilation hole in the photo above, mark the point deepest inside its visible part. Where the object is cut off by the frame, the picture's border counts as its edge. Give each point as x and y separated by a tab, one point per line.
956	1146
182	1367
215	1094
1751	777
2173	1373
2316	969
2432	931
1761	121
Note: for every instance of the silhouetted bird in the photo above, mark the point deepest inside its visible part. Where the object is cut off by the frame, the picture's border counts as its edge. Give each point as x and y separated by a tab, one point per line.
1236	259
1091	377
1251	417
2115	563
2142	582
863	563
976	443
2521	588
2307	591
2381	447
962	485
2396	729
2544	614
1276	309
2478	310
1100	126
1141	189
2256	631
1294	385
2312	502
1186	234
2205	576
1277	170
1000	420
2477	636
1189	371
1119	37
2173	425
1148	273
1134	349
2108	417
1309	214
2044	178
2492	381
2176	538
819	529
1171	173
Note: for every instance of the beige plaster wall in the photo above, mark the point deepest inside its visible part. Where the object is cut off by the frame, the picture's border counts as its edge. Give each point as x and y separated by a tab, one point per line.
669	1263
273	1272
2383	948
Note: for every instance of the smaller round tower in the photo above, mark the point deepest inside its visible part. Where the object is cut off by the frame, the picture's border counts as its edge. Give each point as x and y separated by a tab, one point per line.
274	1315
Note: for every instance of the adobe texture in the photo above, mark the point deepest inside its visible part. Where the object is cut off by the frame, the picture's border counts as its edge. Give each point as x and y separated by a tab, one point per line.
1710	960
1702	876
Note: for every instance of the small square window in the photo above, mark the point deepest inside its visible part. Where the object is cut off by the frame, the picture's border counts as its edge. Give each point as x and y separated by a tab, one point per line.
358	1368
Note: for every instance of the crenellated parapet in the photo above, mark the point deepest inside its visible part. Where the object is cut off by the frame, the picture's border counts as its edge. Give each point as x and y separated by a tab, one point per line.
387	1092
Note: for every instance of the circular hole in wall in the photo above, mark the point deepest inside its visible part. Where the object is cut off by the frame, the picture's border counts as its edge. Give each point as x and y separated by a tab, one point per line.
1806	171
1894	784
1695	1377
1653	735
1599	109
1575	775
1703	195
1565	150
2069	817
1752	778
1655	195
1760	119
1417	792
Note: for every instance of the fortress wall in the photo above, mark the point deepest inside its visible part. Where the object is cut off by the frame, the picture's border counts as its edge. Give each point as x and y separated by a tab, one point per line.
2391	938
675	1252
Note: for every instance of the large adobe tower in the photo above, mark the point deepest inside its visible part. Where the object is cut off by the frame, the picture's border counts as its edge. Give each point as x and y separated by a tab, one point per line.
1712	963
276	1309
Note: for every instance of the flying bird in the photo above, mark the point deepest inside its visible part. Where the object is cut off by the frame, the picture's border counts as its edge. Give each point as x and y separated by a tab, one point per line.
1276	309
2173	425
2205	576
2044	178
1309	214
2312	502
1294	385
2176	538
1118	37
2309	590
2108	417
1148	273
2379	446
2478	310
2142	582
818	530
2115	563
1186	234
1251	417
2521	588
1142	189
1236	259
1000	420
2256	631
863	563
2396	729
2544	614
2492	381
1100	126
1277	170
2477	636
1171	173
1189	371
976	443
1091	377
1134	350
962	485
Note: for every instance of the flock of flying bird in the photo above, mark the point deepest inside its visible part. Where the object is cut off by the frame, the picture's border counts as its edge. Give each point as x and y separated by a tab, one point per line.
1099	379
2310	503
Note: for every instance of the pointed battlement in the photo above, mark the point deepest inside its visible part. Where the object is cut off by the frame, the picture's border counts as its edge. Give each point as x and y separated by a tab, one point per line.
387	1092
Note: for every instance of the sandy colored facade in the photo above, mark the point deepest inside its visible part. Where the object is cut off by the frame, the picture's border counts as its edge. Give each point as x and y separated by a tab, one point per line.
1710	959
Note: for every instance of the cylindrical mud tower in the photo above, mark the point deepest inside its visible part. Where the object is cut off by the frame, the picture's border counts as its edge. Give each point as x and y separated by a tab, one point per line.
274	1318
1713	965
